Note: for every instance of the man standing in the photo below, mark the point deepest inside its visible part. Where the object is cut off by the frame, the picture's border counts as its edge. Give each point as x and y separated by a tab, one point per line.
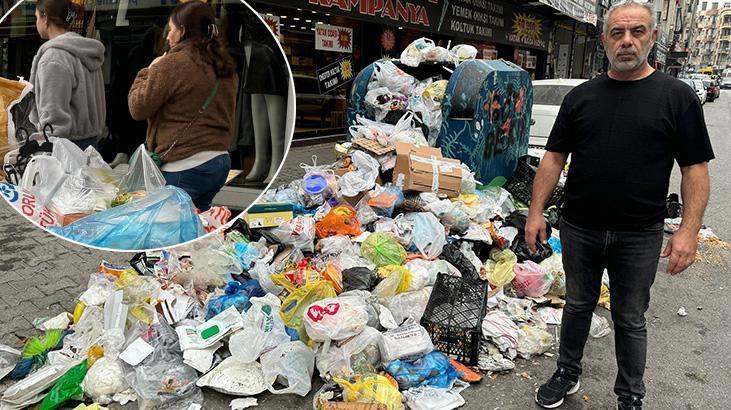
624	130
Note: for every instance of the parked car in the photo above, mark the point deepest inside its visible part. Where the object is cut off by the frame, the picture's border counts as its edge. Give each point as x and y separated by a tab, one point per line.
547	98
713	91
697	86
726	82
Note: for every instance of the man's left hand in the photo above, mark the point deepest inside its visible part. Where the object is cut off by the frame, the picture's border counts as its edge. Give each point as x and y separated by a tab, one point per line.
681	249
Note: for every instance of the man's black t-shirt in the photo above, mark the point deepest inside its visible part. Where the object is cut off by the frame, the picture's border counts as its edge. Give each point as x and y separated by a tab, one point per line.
623	137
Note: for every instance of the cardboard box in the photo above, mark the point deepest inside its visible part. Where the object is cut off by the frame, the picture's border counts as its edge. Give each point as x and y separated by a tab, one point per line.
268	214
424	169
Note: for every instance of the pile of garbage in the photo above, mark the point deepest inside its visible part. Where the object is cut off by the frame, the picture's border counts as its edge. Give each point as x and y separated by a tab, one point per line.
76	194
393	293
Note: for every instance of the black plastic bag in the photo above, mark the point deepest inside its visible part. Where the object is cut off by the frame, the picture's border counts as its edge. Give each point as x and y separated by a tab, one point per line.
520	246
358	278
452	254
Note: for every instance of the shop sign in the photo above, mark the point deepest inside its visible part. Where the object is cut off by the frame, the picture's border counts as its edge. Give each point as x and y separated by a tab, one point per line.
580	10
335	75
482	20
333	38
274	24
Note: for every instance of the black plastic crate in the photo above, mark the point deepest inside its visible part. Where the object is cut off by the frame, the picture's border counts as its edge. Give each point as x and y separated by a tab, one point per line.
520	185
453	316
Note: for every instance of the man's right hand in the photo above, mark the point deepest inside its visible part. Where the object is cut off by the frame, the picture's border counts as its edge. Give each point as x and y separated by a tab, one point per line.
535	227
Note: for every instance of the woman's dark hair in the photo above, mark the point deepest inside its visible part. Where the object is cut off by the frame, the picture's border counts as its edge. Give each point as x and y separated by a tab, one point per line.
60	12
199	21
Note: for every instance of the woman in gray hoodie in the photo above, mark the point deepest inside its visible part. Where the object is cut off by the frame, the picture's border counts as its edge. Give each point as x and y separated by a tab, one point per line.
67	77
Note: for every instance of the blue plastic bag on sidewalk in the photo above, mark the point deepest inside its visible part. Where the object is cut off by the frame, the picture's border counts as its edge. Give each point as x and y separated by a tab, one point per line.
236	294
165	217
433	369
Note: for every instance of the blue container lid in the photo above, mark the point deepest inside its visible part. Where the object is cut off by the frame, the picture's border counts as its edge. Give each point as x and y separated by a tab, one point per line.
314	184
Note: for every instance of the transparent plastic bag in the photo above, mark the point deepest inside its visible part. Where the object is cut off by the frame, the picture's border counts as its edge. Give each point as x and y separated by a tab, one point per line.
317	186
383	249
292	365
83	193
68	154
362	179
166	217
345	360
395	79
298	232
436	55
397	280
8	358
143	173
263	329
384	200
406	131
412	55
533	341
531	279
464	52
334	319
429	235
236	294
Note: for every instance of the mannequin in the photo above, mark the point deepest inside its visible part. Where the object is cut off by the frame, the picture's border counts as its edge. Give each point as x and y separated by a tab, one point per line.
266	82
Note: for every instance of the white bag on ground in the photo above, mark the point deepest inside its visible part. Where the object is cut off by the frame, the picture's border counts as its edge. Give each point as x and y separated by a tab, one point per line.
335	319
533	341
409	304
406	341
263	329
290	364
502	331
235	377
362	179
298	232
104	380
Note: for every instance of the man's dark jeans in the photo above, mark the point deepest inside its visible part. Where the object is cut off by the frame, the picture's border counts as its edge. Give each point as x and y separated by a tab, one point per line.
631	258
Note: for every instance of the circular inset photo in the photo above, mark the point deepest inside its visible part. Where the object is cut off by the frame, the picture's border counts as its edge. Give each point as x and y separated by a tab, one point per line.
135	125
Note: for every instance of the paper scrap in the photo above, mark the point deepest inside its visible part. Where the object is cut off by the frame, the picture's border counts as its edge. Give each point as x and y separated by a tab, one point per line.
136	352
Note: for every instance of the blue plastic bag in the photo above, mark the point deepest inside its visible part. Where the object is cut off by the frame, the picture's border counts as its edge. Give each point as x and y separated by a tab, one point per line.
236	294
555	244
165	217
433	369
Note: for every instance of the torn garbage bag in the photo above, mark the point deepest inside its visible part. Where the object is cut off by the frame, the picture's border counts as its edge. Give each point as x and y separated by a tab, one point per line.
165	217
290	364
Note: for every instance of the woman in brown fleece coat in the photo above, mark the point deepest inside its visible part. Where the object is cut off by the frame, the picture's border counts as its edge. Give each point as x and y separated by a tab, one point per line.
170	94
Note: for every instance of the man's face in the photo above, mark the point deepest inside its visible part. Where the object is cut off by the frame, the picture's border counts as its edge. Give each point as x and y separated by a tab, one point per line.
629	38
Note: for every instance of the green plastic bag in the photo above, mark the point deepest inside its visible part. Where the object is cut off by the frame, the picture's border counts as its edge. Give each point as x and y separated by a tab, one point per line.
66	388
383	249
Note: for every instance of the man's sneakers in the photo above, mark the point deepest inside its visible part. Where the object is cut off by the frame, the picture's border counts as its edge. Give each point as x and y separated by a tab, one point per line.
629	403
551	394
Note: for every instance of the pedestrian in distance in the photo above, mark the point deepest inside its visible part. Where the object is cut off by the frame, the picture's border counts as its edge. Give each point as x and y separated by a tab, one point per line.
67	78
188	97
623	130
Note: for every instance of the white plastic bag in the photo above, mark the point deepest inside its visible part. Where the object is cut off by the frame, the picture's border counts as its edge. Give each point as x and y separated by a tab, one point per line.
8	358
104	380
82	192
406	131
298	232
143	174
599	327
393	78
235	378
533	341
291	364
335	319
411	56
436	55
68	154
263	329
408	304
502	331
432	398
464	52
406	341
43	177
362	179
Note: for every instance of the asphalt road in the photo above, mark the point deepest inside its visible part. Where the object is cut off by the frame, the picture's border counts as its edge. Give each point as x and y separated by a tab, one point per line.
689	359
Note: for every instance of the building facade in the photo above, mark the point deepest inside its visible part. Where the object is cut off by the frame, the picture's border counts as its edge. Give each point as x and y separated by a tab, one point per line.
712	44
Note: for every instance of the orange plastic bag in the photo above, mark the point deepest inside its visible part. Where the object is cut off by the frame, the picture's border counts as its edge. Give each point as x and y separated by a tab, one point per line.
341	220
